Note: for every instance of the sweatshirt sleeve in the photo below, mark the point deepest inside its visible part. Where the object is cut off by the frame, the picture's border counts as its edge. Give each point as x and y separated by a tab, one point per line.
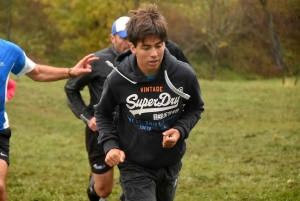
104	113
75	101
192	110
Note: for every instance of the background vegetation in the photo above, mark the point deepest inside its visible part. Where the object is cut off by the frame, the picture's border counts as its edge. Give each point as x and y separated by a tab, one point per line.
223	39
246	147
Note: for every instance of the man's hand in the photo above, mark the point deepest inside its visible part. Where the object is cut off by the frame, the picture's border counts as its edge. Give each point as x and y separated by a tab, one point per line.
83	66
92	124
114	157
170	138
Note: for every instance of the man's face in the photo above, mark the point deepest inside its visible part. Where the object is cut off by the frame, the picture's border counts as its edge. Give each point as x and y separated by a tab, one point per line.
120	44
149	54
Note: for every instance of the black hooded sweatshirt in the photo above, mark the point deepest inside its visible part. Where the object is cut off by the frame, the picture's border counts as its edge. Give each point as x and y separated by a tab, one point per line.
94	81
147	108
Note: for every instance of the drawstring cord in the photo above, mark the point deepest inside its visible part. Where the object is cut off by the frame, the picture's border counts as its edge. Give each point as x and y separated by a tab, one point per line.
176	91
116	69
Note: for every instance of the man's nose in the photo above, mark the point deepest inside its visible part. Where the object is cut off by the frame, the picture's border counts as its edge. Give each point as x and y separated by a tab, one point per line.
153	52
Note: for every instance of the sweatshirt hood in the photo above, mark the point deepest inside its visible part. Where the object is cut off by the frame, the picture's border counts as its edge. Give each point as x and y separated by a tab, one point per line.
126	66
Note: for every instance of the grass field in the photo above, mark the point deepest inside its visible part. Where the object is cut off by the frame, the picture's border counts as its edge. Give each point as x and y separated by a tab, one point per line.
246	147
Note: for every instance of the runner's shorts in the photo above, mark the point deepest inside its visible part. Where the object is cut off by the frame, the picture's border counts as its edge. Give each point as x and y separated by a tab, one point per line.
4	144
95	152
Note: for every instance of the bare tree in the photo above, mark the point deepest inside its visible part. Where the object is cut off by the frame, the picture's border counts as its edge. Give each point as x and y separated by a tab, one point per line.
214	24
275	40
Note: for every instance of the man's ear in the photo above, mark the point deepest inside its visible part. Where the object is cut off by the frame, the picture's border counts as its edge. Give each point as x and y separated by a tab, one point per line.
132	48
112	38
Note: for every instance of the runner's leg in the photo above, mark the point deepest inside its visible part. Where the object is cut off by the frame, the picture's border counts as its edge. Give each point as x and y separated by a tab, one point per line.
102	182
3	173
4	161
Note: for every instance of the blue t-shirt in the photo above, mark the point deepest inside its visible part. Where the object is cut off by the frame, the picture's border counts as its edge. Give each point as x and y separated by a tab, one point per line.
12	59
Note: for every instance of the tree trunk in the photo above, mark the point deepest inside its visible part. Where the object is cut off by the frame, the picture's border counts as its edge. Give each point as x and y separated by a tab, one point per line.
297	76
275	40
8	10
215	64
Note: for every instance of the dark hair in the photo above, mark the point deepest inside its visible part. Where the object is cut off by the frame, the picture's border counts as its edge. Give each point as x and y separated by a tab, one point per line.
145	22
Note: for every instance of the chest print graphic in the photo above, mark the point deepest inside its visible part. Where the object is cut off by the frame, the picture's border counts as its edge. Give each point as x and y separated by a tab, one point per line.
164	102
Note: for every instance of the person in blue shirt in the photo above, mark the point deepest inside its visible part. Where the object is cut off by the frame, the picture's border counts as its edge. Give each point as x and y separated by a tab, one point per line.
13	59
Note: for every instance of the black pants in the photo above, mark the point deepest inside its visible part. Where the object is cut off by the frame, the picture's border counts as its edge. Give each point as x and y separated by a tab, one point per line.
146	184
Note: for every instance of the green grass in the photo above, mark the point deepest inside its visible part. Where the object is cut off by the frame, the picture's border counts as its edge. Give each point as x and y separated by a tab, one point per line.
246	147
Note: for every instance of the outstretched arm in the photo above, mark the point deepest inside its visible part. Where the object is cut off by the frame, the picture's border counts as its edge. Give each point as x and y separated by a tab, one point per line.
44	73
